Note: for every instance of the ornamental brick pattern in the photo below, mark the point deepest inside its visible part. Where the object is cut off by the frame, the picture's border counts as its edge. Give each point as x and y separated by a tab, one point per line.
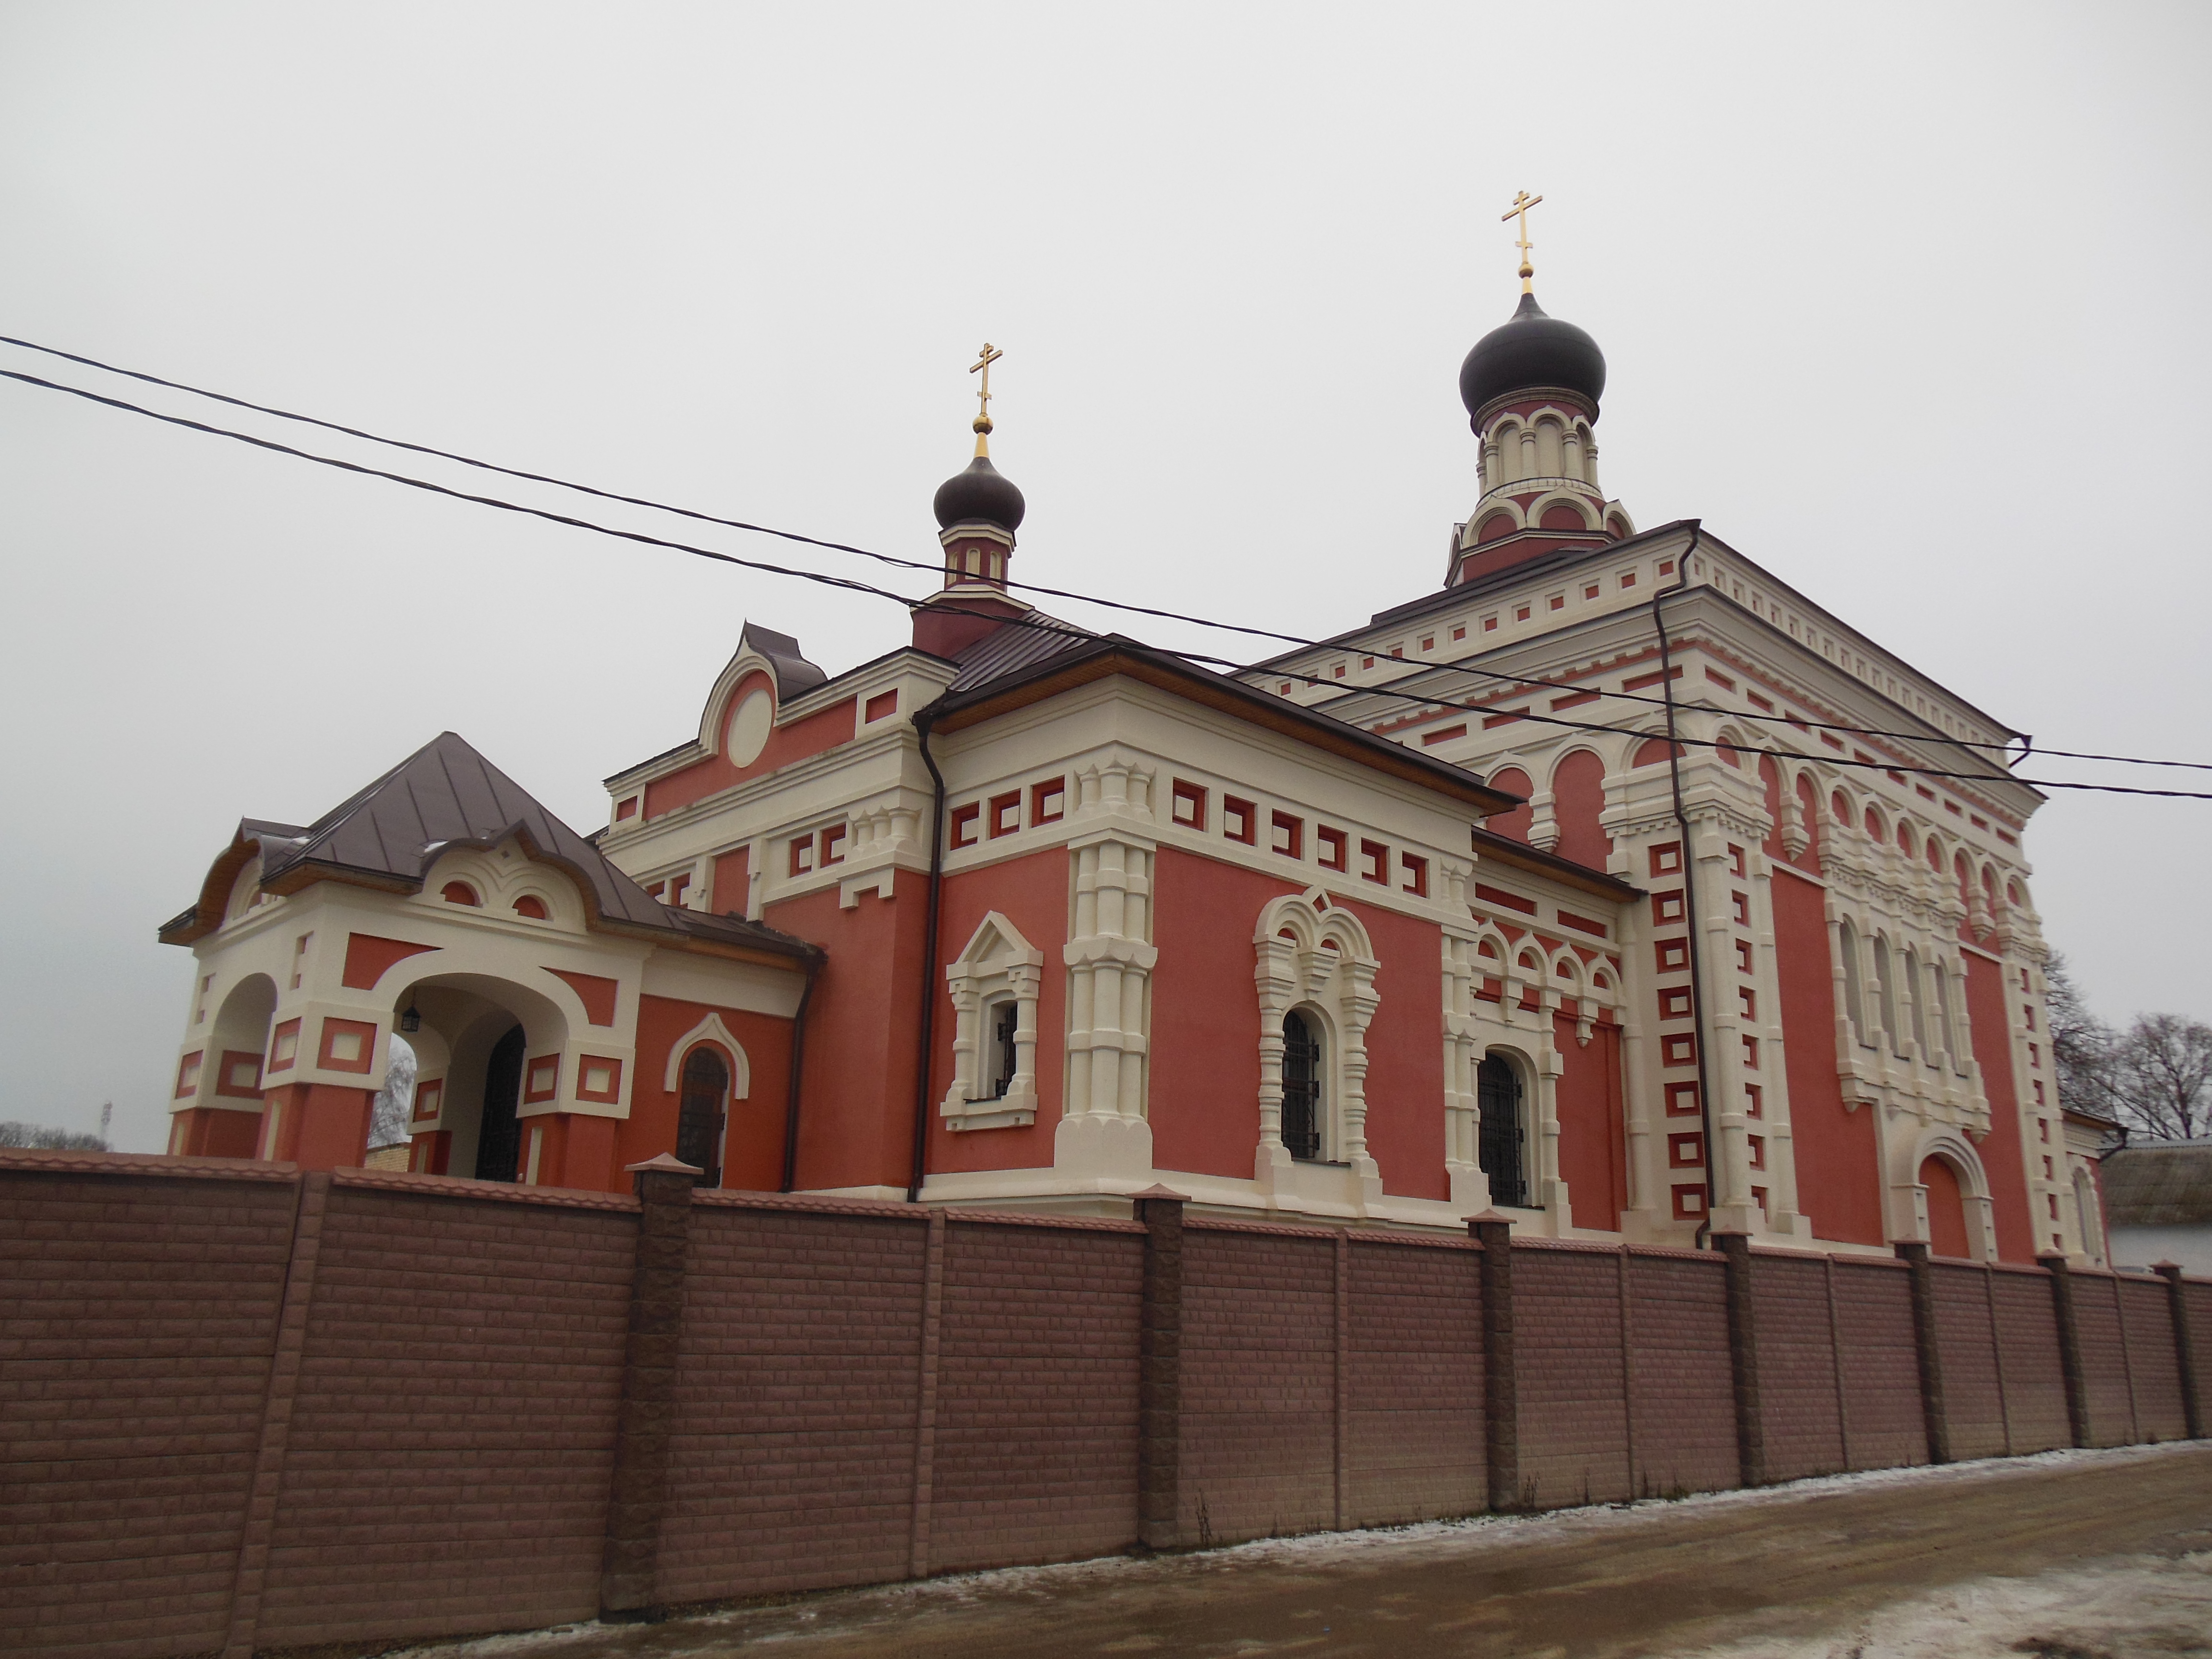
247	1410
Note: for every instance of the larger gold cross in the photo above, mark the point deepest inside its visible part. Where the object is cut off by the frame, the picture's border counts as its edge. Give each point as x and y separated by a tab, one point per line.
1522	201
982	366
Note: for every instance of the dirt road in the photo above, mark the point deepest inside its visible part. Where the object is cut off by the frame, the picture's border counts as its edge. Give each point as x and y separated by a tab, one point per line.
2088	1554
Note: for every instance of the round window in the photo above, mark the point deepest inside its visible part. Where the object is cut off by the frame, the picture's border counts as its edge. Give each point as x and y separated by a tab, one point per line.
749	728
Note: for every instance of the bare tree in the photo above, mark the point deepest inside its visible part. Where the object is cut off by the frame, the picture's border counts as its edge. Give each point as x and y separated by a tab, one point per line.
38	1134
2161	1077
2081	1043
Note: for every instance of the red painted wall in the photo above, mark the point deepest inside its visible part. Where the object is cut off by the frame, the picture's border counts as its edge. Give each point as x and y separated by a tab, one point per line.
1838	1165
2002	1159
1578	800
1031	893
1593	1150
214	1132
1514	781
753	1154
1405	1052
1206	1100
856	1125
786	743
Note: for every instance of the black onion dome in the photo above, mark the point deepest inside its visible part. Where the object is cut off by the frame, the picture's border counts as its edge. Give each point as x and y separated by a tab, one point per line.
1530	349
981	493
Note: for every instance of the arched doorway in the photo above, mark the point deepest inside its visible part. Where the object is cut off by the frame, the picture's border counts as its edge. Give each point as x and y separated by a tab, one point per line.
1300	1087
1947	1210
699	1117
499	1135
1499	1146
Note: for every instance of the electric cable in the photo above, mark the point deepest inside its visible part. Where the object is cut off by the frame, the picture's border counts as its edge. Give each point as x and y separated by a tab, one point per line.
1293	640
851	585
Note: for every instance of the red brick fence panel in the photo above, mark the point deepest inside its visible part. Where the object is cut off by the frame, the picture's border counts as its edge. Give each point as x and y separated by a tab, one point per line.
1683	1399
1415	1383
1572	1376
1971	1390
452	1437
793	1461
1881	1366
2028	1343
2153	1364
1259	1382
2106	1374
1797	1358
1036	1455
135	1342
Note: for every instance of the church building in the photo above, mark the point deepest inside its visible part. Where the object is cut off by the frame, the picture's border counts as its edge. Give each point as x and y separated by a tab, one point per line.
1614	885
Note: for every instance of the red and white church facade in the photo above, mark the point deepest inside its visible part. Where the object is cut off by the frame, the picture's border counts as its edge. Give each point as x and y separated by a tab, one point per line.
1496	901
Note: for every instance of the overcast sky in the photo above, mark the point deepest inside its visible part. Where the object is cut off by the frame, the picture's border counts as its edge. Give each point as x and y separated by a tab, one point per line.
1907	302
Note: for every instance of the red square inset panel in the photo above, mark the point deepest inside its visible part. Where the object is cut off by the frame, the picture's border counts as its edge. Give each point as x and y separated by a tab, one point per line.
1681	1100
1673	955
1690	1203
541	1078
598	1078
1686	1152
348	1045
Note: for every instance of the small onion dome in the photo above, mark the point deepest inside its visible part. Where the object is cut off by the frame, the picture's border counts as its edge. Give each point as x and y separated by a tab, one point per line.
1530	350
981	494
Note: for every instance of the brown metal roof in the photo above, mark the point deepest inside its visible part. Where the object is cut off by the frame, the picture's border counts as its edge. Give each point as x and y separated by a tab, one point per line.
447	795
2158	1186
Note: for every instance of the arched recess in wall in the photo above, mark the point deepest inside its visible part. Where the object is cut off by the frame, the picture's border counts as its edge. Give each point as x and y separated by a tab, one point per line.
1578	803
1808	809
1653	751
1948	1230
1514	781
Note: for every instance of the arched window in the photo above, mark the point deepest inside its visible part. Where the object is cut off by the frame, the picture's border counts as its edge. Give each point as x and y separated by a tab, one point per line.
1885	989
1916	987
1939	1026
1301	1073
699	1115
1498	1147
1854	997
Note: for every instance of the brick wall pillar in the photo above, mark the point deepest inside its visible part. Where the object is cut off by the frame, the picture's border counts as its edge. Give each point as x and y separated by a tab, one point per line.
2069	1345
2192	1401
1501	1414
1159	1372
299	1295
1933	1414
630	1567
1743	1359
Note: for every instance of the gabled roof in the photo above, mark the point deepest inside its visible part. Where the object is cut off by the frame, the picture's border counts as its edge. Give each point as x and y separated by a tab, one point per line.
1050	663
2158	1186
443	796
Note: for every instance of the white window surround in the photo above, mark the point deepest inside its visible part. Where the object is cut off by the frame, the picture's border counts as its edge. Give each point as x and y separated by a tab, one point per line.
1313	954
711	1029
998	964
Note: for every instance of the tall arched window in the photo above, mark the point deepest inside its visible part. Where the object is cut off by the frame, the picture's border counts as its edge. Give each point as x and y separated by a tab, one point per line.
1884	992
699	1115
1917	988
1941	982
1847	942
1302	1113
1499	1146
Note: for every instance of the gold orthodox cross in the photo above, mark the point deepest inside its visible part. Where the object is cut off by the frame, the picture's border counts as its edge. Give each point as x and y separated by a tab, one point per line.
1522	201
982	366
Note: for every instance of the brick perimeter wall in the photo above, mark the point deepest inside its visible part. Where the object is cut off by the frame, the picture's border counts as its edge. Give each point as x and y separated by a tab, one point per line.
131	1385
1881	1378
1797	1381
1415	1384
1684	1403
791	1459
1572	1373
452	1434
429	1376
1035	1456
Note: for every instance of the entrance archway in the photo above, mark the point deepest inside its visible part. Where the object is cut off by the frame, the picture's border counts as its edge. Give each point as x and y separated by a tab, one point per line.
499	1134
1499	1142
700	1115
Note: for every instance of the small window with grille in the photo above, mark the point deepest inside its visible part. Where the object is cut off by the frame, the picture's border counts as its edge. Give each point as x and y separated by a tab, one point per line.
1301	1073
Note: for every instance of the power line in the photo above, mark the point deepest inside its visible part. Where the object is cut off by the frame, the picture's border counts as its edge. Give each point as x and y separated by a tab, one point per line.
849	585
1033	588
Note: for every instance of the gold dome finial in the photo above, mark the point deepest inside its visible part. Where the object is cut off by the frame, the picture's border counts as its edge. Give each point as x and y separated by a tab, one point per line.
1522	201
991	353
